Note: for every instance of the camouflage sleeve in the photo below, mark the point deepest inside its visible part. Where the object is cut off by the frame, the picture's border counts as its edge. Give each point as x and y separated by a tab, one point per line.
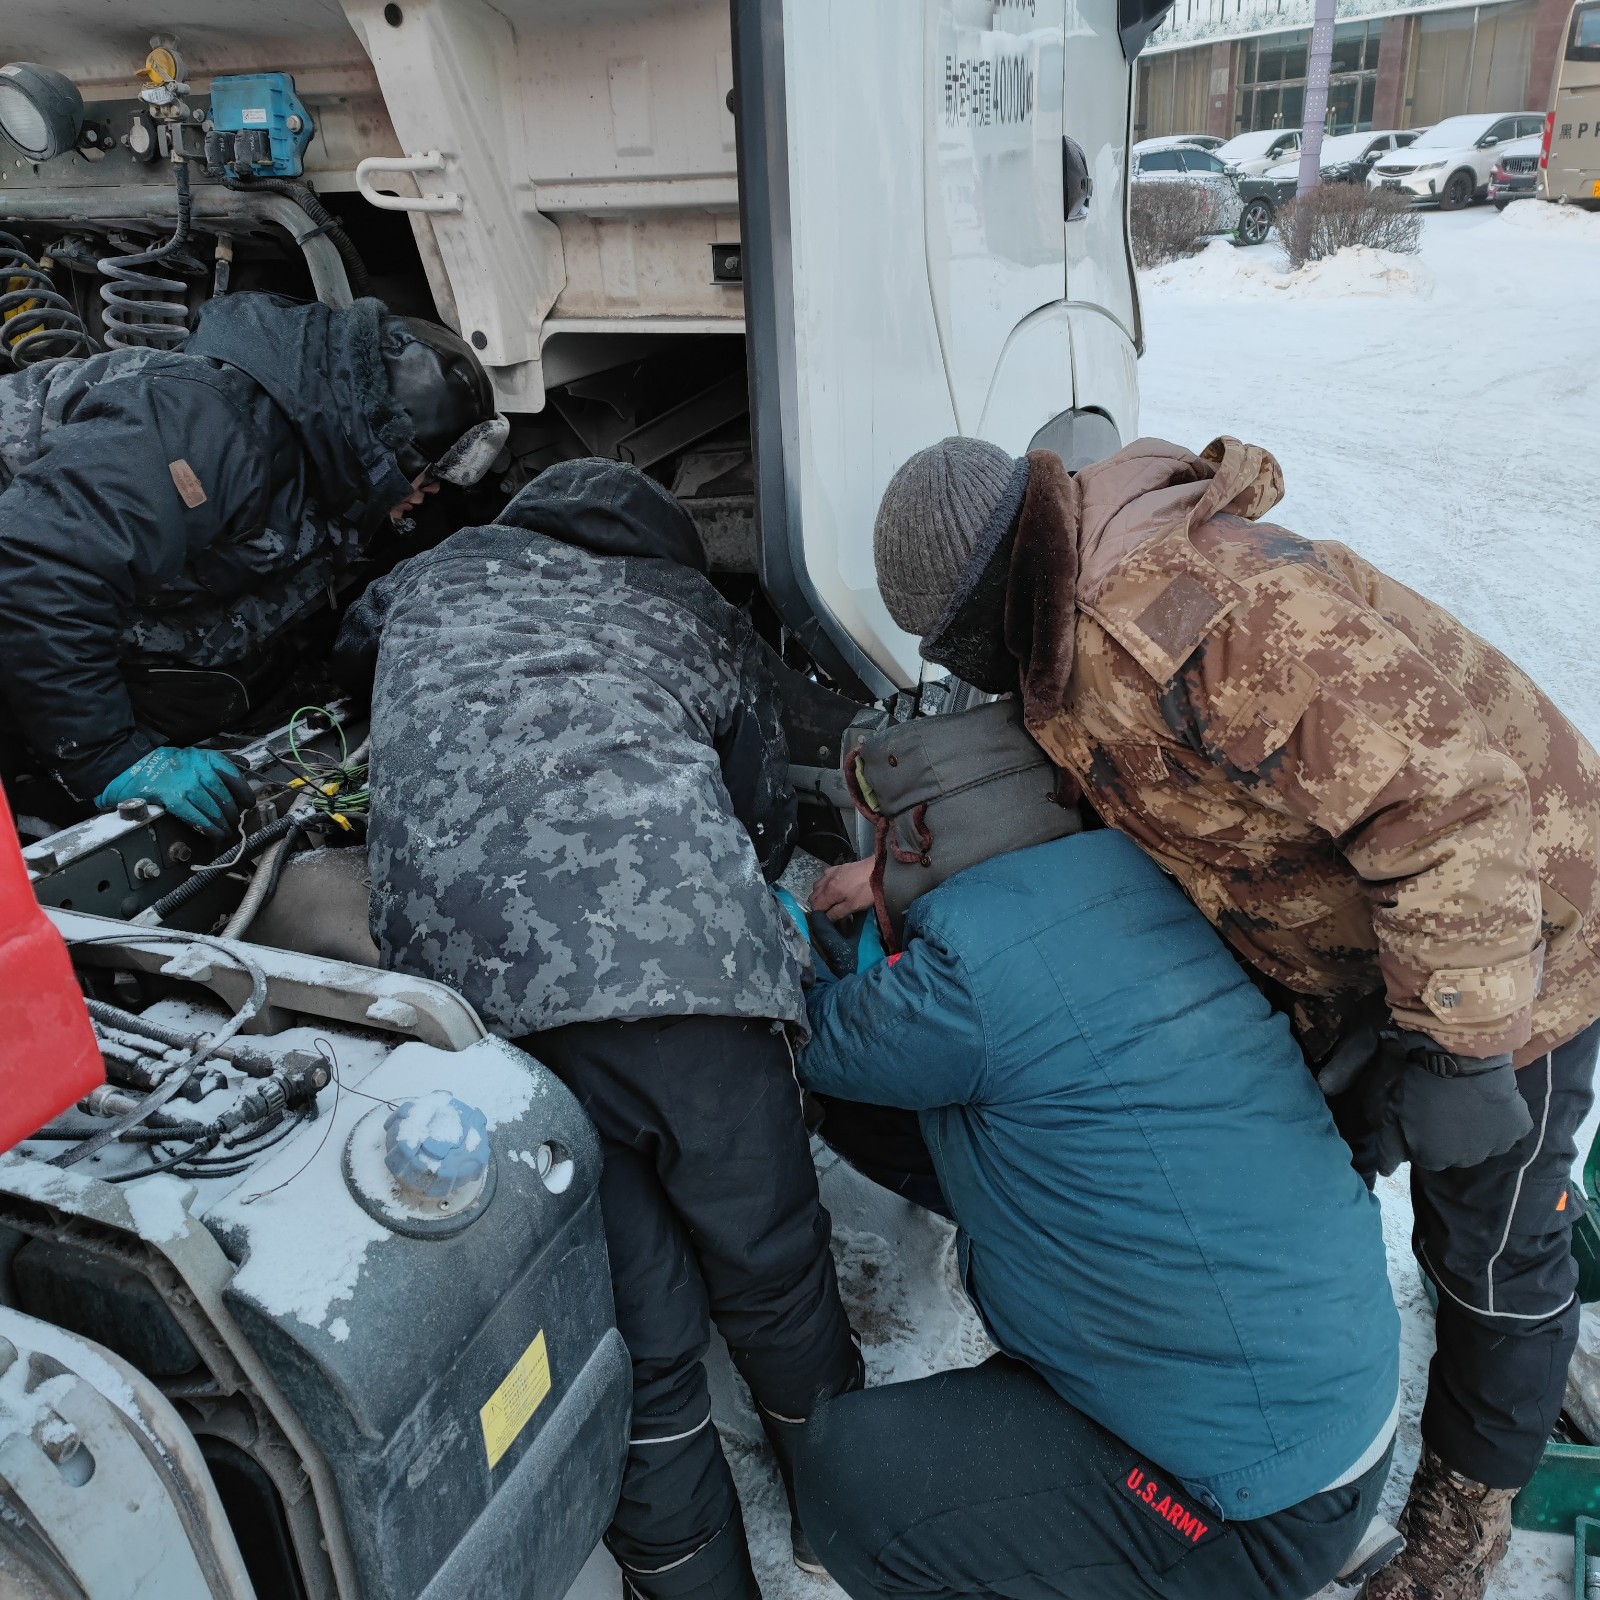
354	658
1310	694
755	757
145	475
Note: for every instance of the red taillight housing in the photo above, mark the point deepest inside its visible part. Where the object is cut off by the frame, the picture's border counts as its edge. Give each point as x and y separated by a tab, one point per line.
1544	149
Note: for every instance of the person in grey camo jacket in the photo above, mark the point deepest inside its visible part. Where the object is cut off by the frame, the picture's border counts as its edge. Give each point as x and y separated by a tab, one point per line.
580	794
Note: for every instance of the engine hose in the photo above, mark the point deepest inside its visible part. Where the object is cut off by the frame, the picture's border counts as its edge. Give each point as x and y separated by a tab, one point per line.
130	1022
37	323
304	196
185	1070
262	886
236	856
135	314
172	1129
255	1063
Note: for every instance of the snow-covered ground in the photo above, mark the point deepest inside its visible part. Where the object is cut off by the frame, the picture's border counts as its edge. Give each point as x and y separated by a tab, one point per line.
1441	414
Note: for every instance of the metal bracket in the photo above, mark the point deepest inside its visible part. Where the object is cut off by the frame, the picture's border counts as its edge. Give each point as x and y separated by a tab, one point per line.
427	161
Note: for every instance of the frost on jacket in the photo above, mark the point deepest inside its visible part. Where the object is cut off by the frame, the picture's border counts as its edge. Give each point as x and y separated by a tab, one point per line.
579	778
1364	797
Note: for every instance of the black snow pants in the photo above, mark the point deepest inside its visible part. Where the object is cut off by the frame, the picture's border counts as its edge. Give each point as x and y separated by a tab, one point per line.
711	1213
984	1481
1496	1240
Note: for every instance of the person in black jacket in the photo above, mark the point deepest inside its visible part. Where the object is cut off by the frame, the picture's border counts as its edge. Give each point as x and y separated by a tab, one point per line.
165	516
580	792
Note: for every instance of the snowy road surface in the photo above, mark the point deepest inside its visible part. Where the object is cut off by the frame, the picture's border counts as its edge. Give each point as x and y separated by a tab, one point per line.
1439	413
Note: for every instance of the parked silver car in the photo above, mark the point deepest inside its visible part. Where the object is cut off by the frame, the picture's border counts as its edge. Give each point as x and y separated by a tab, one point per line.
1187	164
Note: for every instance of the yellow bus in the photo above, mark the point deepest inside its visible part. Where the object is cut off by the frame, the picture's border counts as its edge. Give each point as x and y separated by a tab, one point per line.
1571	157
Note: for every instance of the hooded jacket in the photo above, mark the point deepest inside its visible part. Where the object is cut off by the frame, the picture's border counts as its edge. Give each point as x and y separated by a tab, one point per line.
1367	799
1156	1210
579	777
180	507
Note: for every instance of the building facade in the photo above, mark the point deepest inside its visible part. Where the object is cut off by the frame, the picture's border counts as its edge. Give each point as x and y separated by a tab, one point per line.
1228	66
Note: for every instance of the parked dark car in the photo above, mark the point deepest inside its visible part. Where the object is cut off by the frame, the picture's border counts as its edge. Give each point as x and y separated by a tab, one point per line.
1346	158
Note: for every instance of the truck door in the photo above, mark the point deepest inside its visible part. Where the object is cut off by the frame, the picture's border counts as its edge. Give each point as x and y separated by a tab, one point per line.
901	216
993	191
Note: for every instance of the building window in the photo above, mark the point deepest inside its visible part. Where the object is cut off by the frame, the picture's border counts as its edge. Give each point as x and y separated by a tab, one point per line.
1272	79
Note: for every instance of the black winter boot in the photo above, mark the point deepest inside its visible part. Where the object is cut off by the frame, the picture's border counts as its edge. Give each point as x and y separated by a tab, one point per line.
719	1570
785	1435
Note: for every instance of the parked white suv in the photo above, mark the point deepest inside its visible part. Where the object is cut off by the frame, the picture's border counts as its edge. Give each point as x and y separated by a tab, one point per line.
1248	154
1451	162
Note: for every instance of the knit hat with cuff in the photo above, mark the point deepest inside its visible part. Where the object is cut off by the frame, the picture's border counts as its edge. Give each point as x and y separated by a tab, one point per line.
942	506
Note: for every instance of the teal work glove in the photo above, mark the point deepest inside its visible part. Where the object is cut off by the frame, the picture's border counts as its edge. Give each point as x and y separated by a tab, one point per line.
200	787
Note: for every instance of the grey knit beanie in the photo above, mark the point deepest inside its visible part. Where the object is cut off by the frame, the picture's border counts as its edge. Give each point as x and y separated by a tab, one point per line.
928	525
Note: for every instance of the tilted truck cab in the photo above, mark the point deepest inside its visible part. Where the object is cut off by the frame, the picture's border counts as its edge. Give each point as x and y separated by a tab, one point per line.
764	250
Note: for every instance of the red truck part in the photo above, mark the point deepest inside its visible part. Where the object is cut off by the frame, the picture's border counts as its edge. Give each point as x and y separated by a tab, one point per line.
48	1054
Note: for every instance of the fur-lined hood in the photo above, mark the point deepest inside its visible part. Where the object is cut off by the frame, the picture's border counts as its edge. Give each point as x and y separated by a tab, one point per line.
1015	624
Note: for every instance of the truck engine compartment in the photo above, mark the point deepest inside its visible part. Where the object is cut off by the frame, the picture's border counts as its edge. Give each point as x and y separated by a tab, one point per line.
259	1105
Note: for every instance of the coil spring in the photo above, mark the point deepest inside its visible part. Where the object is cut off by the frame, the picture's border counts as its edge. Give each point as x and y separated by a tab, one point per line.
36	322
139	306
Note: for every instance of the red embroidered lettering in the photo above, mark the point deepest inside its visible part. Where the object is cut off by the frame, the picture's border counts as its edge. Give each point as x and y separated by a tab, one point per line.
1147	1492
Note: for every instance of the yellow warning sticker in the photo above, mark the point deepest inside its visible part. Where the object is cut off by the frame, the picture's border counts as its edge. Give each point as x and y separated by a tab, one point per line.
505	1413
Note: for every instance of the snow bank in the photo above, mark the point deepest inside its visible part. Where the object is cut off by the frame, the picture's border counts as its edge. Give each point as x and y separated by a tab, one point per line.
1566	223
1224	271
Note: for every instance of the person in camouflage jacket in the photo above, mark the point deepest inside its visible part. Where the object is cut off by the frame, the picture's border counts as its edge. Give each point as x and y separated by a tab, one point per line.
580	791
1389	822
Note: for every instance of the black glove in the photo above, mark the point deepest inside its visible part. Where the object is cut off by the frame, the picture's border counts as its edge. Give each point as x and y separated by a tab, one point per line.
1439	1109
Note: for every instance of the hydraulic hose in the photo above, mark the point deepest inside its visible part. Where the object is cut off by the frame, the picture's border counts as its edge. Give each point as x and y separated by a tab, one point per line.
253	845
256	1063
262	886
186	1068
304	196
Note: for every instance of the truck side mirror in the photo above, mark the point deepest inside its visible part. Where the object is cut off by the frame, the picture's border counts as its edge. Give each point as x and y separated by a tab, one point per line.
1137	20
1077	187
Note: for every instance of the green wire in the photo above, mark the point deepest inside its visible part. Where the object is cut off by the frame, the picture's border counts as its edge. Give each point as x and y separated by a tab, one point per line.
347	800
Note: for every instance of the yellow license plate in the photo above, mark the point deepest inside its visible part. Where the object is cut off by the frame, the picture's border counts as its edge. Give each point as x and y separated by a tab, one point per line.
1597	188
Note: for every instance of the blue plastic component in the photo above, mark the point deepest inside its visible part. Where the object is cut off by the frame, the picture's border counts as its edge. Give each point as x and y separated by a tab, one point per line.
436	1144
264	103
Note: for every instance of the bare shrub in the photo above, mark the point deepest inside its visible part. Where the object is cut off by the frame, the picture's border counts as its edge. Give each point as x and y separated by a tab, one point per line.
1337	216
1168	221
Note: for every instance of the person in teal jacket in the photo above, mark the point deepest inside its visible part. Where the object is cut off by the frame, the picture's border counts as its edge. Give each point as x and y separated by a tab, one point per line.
1198	1387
